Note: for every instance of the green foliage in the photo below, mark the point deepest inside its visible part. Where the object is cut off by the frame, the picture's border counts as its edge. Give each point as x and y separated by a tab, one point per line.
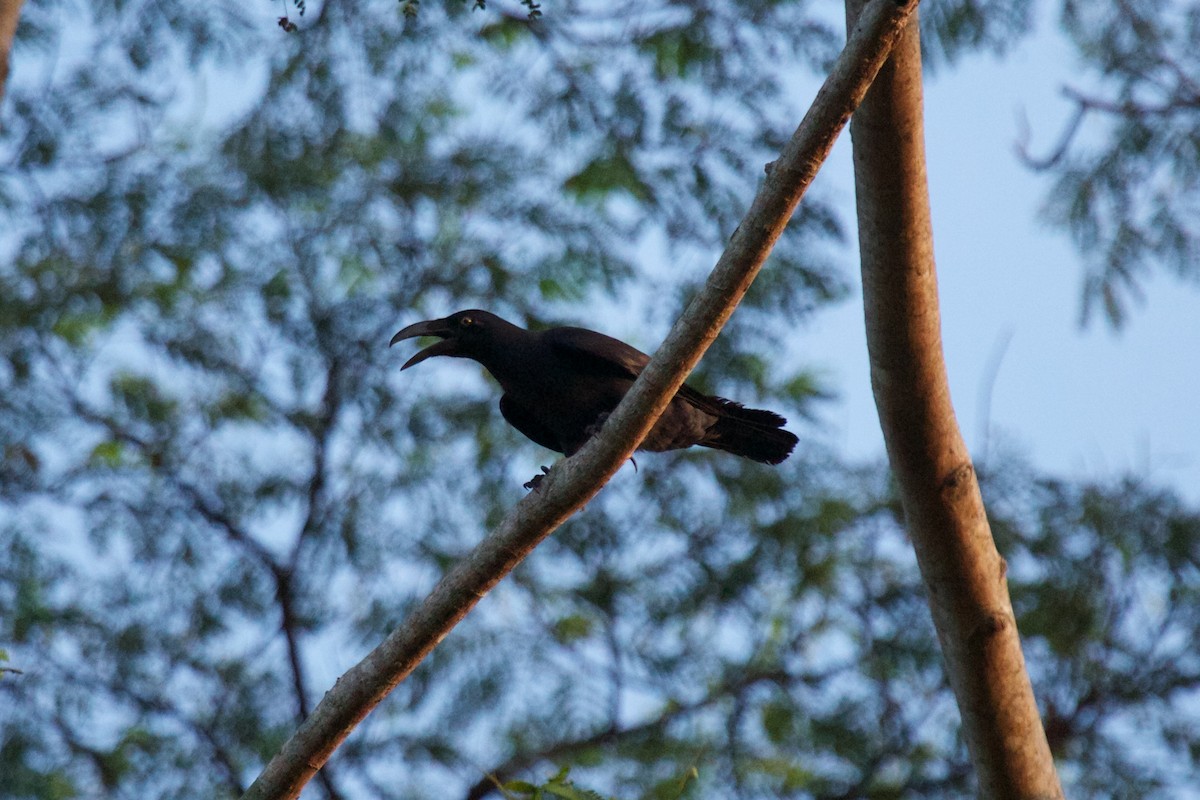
558	786
677	52
1126	174
1105	583
951	29
6	670
604	175
411	8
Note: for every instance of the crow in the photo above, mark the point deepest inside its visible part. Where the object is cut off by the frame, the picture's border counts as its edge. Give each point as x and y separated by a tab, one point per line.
561	383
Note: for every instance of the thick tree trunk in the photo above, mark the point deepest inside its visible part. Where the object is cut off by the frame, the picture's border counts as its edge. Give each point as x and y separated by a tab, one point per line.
963	573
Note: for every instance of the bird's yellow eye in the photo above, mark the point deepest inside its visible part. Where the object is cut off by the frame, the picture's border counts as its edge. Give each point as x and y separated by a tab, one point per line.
466	322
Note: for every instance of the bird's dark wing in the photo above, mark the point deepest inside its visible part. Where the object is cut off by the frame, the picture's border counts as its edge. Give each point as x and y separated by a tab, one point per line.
596	353
719	406
521	419
608	357
699	419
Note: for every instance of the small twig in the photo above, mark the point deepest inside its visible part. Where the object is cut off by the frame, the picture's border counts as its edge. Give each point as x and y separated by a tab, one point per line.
987	389
1059	152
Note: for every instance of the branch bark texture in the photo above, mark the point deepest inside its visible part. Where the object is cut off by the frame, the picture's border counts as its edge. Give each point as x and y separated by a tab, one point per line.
963	573
576	480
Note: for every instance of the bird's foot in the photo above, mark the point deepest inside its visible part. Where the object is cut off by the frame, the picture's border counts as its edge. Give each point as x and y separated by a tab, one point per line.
536	481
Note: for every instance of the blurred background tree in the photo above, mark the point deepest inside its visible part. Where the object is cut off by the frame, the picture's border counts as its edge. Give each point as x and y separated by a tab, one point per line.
216	492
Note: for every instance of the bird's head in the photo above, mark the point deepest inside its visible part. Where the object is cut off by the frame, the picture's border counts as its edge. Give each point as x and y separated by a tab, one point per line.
463	334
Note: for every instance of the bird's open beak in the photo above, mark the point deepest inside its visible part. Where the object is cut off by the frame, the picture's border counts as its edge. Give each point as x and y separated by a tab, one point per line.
431	327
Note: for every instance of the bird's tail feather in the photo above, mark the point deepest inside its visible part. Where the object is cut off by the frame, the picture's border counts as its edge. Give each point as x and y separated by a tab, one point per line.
749	432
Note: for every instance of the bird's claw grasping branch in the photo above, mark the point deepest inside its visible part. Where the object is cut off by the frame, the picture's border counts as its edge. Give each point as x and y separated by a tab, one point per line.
536	481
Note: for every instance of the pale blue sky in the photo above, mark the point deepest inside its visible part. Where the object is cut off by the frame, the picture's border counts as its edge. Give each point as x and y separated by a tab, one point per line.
1083	403
1079	402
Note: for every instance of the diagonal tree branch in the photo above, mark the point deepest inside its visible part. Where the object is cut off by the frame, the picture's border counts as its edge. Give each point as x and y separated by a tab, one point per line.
963	573
576	480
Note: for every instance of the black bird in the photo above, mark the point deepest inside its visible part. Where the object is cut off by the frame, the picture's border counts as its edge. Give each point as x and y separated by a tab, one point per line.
559	385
